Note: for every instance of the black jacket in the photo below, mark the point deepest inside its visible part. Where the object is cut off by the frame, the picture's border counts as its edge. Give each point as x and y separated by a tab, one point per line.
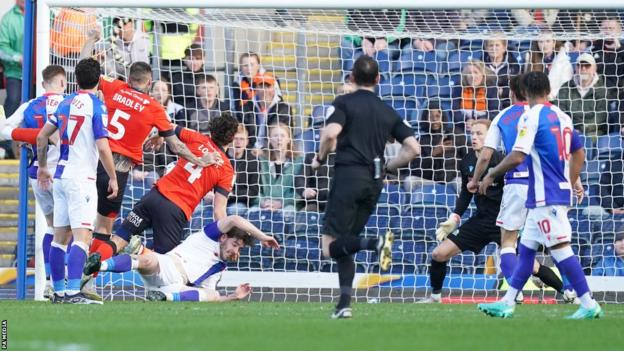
318	180
247	182
612	183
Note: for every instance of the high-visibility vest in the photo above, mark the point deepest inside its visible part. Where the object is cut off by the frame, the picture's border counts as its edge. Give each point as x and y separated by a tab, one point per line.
69	30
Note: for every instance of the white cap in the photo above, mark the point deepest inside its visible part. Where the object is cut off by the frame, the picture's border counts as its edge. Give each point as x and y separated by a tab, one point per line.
586	57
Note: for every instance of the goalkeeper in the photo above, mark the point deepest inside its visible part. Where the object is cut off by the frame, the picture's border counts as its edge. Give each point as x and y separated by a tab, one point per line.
481	228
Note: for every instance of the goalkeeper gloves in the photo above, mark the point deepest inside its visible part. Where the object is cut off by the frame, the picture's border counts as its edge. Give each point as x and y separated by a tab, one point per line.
448	226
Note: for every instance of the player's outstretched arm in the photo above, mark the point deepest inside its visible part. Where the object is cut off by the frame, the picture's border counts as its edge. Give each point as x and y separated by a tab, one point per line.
178	147
241	292
230	222
410	149
481	166
106	157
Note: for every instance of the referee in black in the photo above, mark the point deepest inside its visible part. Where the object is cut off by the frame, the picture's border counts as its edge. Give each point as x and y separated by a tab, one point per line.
358	127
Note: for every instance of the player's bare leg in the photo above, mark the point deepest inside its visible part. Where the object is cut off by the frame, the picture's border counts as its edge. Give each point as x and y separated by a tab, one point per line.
437	269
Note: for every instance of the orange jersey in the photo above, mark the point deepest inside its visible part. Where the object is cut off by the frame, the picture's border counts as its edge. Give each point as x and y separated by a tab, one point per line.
186	184
132	115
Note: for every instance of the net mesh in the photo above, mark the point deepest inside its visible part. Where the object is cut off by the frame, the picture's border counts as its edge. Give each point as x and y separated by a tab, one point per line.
450	65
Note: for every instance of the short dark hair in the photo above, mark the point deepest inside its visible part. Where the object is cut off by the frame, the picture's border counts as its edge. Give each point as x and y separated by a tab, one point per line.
236	233
223	128
365	71
87	73
205	78
248	54
535	84
140	72
515	84
194	50
52	71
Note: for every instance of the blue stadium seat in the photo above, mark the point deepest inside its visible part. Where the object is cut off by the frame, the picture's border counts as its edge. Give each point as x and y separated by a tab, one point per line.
406	107
432	194
581	227
302	254
421	220
392	194
319	114
608	145
410	84
366	262
272	222
463	263
590	148
443	86
600	250
310	140
591	171
604	230
308	223
417	61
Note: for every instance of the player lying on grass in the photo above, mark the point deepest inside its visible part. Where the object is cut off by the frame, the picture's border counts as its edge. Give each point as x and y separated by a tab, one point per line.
191	270
480	229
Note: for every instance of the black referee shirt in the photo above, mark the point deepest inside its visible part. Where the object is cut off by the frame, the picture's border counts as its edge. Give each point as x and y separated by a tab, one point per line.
489	204
367	124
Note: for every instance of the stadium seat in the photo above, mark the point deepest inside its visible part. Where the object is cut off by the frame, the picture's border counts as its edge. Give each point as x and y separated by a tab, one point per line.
366	262
608	145
600	250
417	61
437	194
302	254
410	84
421	220
463	263
591	171
310	140
406	107
319	114
308	223
272	222
443	86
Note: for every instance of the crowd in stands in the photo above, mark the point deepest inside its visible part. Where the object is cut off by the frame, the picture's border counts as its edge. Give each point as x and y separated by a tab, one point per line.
438	86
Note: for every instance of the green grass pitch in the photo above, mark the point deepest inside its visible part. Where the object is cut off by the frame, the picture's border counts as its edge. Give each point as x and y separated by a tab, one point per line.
302	326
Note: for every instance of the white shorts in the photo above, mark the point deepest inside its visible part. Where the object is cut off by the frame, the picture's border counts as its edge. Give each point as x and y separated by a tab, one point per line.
45	198
548	225
513	212
75	203
168	274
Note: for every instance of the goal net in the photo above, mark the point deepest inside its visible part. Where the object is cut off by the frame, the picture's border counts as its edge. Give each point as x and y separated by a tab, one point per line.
440	70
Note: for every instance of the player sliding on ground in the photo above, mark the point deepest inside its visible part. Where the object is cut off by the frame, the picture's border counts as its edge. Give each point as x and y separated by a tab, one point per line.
480	229
168	206
191	270
556	153
513	212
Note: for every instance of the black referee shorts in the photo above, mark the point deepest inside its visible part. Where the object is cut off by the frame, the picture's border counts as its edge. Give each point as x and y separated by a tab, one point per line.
353	196
476	233
110	207
157	212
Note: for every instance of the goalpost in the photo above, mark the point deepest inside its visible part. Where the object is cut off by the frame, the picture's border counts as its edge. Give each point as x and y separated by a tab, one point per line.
307	46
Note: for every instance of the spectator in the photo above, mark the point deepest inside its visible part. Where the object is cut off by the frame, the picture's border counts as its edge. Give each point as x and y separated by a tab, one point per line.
265	109
246	186
123	48
184	81
476	97
11	47
503	65
441	149
609	52
542	53
612	266
541	18
278	167
161	91
242	87
612	185
383	49
205	106
313	186
586	98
